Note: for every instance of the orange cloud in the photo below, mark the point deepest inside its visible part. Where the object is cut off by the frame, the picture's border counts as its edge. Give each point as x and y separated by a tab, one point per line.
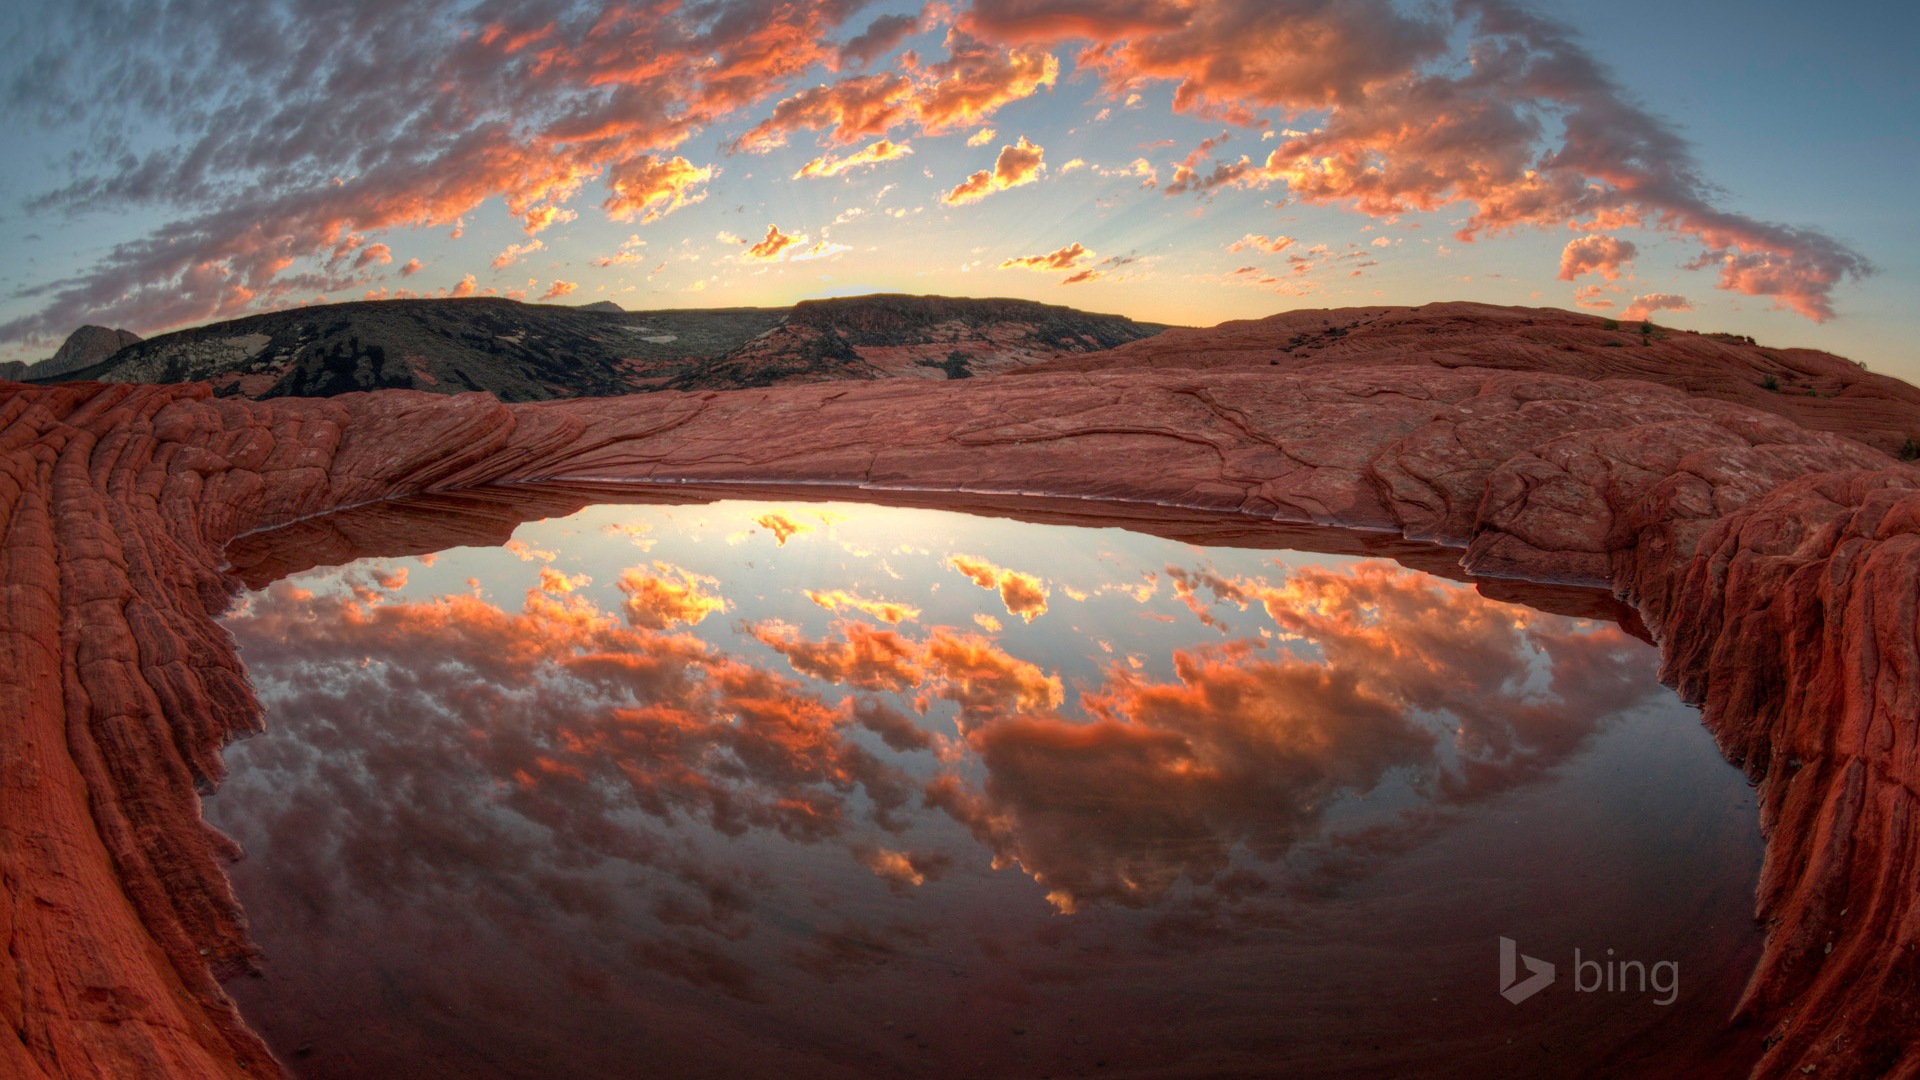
885	610
1023	594
555	582
865	657
854	108
975	81
514	252
984	680
541	217
780	525
1272	245
978	676
1018	164
413	267
1066	258
981	137
827	165
559	289
1187	585
1643	307
666	596
1604	255
652	188
903	871
372	254
961	91
771	249
1071	260
525	552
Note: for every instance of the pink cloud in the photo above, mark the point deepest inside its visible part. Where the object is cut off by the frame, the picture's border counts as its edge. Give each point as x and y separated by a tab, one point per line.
1604	255
1643	307
371	254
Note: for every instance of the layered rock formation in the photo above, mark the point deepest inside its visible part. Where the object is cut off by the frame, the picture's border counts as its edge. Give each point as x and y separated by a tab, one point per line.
1815	389
1777	567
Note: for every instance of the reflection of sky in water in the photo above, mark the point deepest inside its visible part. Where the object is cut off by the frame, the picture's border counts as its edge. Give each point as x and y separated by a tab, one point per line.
715	787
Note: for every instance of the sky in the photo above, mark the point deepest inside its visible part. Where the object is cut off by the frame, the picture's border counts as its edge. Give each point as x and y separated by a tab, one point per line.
1740	167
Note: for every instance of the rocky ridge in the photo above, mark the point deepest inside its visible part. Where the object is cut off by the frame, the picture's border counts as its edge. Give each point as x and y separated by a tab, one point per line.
83	348
1815	389
1777	567
542	352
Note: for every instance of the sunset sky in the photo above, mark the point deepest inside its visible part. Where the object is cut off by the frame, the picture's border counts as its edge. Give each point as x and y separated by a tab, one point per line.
1715	165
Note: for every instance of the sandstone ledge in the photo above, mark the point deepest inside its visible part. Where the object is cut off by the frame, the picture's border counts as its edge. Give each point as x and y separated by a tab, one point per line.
1778	569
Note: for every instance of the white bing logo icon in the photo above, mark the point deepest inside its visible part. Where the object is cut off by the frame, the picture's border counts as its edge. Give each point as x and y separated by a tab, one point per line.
1510	960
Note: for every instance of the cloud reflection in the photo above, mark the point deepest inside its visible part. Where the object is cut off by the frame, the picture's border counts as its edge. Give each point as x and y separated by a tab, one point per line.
1253	747
1023	594
448	745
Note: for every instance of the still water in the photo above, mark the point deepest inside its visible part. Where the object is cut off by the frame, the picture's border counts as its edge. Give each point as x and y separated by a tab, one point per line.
757	789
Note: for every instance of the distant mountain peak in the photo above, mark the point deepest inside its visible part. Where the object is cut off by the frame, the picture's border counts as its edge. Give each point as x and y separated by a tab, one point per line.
83	348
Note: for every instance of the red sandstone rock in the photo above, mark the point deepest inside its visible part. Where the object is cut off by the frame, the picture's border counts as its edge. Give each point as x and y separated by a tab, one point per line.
1815	389
1778	568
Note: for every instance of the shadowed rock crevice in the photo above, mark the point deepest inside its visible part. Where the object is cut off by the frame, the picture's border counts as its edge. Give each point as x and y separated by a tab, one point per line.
1776	567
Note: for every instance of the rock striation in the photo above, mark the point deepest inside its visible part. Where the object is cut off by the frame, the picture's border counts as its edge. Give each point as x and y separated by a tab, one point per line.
1814	389
1777	567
